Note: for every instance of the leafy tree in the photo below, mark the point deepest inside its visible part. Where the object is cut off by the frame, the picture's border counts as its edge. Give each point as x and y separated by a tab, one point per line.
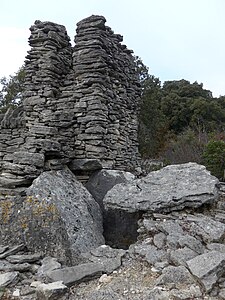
214	158
169	113
207	115
177	110
184	88
176	103
221	101
189	105
141	69
152	121
12	88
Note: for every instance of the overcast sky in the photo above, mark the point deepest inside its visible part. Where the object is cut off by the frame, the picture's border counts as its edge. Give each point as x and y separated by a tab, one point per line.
176	39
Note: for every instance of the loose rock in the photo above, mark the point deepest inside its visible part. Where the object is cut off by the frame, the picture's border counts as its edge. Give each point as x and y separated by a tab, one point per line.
8	279
208	268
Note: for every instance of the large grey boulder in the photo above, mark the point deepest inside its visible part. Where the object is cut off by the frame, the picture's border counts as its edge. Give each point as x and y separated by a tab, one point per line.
57	217
120	229
171	188
102	181
76	218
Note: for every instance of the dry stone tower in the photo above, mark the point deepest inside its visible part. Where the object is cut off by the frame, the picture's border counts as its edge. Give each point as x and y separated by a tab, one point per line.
79	107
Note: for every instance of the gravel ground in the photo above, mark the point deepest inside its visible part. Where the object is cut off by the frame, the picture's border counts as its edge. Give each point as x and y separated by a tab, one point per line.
131	281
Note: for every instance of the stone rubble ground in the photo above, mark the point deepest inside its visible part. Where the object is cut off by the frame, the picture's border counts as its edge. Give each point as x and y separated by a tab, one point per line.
178	255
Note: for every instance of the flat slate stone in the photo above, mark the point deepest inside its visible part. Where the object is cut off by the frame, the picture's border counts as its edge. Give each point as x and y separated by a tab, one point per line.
191	292
12	251
216	247
85	164
3	249
24	258
8	278
71	275
208	268
170	227
7	266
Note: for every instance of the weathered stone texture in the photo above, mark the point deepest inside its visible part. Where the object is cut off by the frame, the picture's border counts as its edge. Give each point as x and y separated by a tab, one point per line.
174	187
57	216
105	75
178	254
79	102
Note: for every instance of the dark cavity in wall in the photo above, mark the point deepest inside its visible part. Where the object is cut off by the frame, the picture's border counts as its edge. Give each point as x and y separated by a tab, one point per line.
120	228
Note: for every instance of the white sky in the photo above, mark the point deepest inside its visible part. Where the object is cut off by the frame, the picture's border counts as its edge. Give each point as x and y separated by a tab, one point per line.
176	39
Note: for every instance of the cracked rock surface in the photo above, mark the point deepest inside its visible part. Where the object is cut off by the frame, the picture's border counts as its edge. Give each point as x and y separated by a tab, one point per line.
178	255
173	187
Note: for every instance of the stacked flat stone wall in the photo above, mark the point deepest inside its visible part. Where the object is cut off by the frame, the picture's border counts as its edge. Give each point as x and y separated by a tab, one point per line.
105	75
48	63
80	104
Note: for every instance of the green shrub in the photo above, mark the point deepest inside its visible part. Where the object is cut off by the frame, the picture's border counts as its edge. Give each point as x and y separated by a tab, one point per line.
214	158
185	147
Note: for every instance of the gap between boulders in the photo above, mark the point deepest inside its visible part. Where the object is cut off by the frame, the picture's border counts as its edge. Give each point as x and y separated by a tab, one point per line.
120	228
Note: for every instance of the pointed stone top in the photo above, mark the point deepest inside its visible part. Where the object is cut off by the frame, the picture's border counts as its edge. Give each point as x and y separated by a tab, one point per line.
92	21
